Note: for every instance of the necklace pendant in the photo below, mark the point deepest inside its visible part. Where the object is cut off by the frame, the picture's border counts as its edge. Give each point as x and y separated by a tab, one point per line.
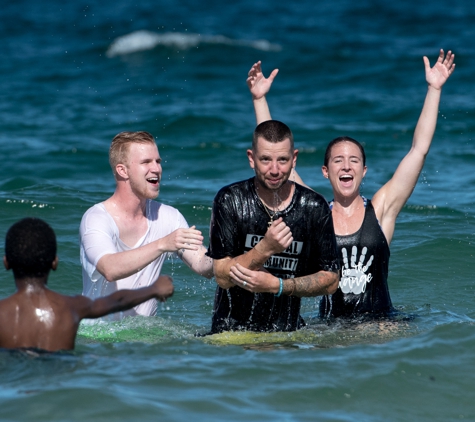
270	222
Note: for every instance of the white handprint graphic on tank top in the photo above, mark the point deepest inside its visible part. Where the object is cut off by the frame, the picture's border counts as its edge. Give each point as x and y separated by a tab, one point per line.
353	276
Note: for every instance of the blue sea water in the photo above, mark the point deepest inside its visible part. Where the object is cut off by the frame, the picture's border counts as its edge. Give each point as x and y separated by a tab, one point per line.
73	74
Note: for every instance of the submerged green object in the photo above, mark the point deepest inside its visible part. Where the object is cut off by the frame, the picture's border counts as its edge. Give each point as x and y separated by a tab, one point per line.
136	329
243	338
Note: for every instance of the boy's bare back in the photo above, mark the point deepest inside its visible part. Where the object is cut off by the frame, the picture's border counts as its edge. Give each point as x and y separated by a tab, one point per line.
37	317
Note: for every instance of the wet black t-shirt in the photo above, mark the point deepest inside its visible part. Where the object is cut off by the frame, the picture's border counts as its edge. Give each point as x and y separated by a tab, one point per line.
238	223
364	260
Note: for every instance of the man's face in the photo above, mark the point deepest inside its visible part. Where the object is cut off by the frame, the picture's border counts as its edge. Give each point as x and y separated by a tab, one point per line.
272	162
144	170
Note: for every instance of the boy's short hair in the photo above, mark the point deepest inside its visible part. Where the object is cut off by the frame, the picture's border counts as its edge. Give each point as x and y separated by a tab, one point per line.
30	248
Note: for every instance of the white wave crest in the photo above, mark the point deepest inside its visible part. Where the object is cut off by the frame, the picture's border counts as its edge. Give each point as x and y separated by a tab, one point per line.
147	40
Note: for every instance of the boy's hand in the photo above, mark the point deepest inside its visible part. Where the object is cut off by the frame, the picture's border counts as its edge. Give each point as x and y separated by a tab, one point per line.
163	288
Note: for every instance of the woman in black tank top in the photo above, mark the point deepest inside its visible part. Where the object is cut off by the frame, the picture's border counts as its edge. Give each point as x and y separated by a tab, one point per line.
364	228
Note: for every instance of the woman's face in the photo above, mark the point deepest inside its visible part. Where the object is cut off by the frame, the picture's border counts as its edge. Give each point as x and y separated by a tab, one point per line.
345	169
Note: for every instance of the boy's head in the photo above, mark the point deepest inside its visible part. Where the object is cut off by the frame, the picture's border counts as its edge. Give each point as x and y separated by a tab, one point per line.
30	248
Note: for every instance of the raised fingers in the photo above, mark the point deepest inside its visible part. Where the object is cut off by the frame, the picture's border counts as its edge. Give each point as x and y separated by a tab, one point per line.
449	61
256	68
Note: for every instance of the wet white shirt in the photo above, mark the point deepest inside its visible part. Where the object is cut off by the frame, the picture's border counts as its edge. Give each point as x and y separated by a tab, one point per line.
100	236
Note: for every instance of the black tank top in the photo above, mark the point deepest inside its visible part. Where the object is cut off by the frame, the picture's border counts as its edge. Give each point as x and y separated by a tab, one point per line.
364	260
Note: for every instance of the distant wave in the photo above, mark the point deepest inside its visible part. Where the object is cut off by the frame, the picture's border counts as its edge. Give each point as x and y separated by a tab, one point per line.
147	40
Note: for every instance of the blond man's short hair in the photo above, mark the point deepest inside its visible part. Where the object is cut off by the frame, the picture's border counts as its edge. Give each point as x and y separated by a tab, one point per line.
120	146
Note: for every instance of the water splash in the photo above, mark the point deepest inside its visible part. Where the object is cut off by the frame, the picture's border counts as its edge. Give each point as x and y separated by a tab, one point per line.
134	329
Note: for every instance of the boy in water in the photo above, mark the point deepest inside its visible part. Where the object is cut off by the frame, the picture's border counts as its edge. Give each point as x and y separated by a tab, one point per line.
37	317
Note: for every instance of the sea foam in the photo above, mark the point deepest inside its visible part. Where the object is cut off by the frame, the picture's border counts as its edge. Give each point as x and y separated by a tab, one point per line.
146	40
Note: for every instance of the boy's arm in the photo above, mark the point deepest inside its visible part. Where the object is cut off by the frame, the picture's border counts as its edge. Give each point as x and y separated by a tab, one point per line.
125	299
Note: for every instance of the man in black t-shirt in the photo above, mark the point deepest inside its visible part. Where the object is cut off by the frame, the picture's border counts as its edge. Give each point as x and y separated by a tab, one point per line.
272	241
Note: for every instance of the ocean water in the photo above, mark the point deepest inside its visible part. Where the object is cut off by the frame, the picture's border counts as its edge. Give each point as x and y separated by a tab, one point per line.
73	74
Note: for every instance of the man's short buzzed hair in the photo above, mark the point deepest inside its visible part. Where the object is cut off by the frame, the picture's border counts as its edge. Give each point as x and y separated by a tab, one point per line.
272	131
119	148
30	248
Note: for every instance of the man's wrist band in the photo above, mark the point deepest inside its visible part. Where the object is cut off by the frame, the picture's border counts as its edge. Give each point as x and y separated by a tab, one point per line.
281	287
